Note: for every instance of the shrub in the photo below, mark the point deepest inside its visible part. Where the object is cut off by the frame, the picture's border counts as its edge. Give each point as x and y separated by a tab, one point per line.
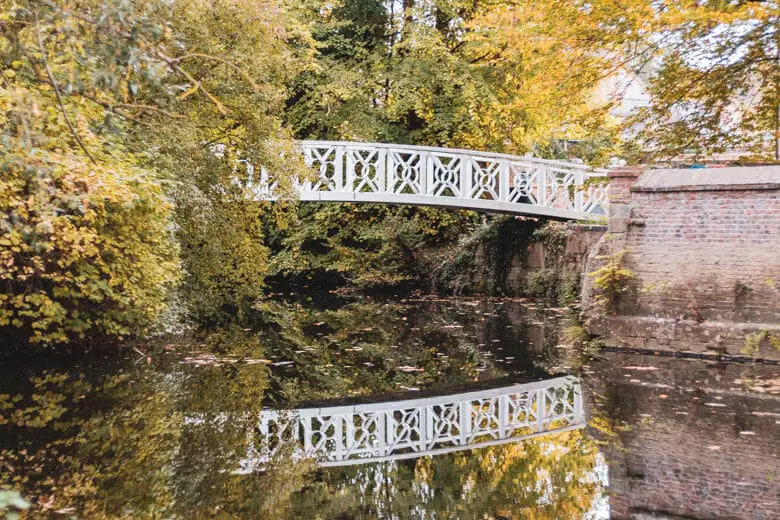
224	258
543	283
85	246
611	280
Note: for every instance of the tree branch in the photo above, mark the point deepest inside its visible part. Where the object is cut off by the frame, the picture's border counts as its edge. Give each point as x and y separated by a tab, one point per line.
220	60
57	92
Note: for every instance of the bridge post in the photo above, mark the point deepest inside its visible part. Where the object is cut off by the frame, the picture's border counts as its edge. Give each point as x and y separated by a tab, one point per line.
350	171
429	181
379	433
465	422
431	430
579	411
503	416
338	434
425	425
503	180
349	438
541	186
465	177
541	411
307	434
422	172
381	162
579	190
338	169
387	418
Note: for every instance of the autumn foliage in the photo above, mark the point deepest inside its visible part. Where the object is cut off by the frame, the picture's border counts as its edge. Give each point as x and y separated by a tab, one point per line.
84	248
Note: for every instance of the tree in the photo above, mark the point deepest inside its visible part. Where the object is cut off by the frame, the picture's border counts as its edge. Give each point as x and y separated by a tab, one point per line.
85	245
103	105
714	79
492	76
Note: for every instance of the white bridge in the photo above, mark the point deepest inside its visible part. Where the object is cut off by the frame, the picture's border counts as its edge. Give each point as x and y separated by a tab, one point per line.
426	176
346	435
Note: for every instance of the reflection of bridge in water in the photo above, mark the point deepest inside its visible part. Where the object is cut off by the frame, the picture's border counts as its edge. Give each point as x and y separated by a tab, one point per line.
346	435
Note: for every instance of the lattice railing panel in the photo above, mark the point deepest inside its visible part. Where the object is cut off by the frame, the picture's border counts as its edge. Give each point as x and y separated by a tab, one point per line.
438	176
327	163
406	172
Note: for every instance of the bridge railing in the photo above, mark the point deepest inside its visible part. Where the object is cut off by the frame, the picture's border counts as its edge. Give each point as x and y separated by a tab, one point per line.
346	435
376	172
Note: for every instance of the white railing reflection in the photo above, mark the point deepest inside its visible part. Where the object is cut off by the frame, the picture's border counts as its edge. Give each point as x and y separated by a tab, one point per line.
345	435
418	175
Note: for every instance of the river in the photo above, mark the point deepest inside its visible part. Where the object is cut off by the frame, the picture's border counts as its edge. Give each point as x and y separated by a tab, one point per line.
179	427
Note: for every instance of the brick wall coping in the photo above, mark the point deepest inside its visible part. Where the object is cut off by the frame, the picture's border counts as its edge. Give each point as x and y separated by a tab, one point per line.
590	227
708	179
625	172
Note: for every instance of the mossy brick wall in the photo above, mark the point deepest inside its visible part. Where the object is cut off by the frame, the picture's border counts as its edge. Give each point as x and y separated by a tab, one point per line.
706	254
503	259
704	246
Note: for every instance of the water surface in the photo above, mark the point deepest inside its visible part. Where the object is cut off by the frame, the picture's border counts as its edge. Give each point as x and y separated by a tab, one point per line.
162	431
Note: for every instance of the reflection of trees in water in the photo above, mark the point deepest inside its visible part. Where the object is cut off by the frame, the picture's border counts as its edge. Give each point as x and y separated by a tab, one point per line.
114	441
119	446
97	446
368	348
549	477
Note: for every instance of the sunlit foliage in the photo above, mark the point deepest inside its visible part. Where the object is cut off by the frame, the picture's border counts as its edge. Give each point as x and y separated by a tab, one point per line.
113	116
714	75
85	246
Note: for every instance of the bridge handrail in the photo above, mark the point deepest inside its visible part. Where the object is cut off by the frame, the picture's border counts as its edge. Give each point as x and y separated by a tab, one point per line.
597	172
452	177
422	401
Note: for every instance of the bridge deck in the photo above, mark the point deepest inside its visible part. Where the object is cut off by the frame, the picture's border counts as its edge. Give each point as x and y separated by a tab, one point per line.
417	175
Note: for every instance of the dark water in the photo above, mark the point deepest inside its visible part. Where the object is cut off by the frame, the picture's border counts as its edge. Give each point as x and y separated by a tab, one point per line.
160	432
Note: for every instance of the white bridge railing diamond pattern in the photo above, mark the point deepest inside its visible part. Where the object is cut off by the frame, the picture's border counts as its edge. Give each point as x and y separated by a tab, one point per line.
345	435
401	174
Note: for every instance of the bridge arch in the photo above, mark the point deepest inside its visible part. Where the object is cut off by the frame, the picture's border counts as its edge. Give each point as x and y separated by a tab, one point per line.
446	177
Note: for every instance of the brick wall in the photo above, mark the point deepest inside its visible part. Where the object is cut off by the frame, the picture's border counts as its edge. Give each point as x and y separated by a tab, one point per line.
713	255
704	246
